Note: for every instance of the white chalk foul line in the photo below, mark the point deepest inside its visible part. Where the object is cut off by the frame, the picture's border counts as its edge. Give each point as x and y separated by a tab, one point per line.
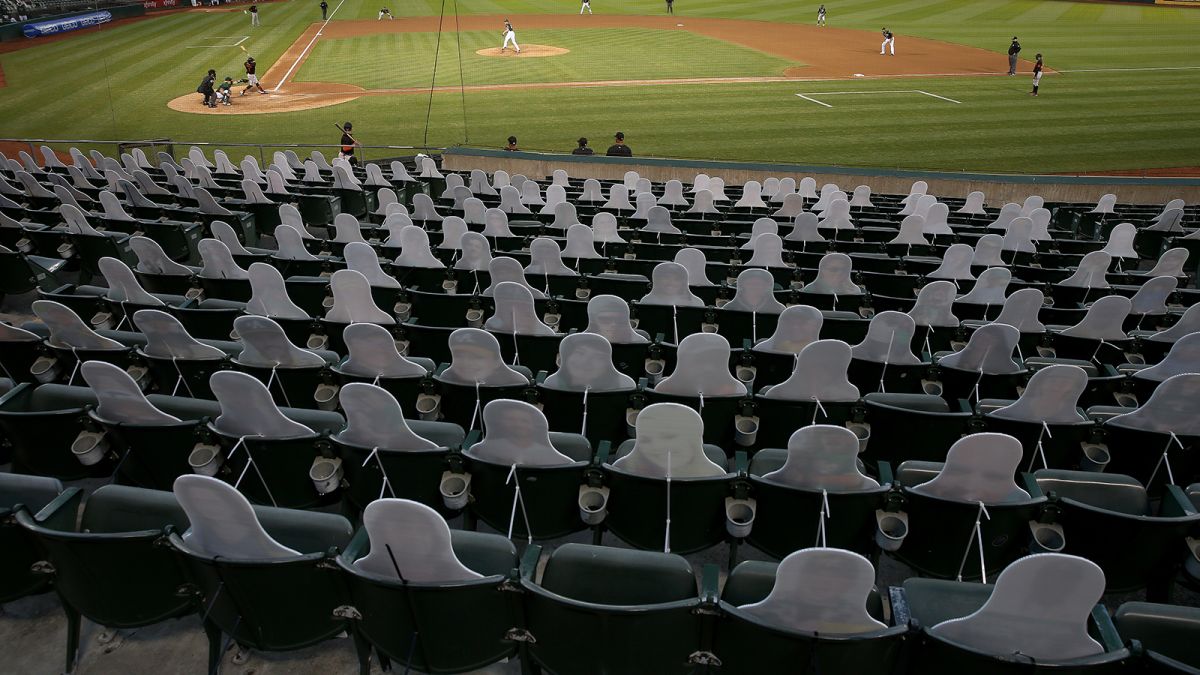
307	47
809	95
936	96
244	38
814	100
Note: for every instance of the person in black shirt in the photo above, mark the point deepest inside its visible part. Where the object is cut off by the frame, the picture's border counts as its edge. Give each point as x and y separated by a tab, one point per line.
583	148
254	15
348	144
889	40
324	10
670	6
618	148
512	144
1037	75
206	88
1013	50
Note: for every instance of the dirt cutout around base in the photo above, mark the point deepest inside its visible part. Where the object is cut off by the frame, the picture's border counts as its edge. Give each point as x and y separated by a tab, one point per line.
829	54
527	52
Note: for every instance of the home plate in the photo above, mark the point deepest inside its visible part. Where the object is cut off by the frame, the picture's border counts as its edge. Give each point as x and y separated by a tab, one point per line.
858	74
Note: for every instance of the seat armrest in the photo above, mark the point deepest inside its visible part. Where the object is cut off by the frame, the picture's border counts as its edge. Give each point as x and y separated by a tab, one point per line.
61	513
886	477
1106	631
529	562
710	578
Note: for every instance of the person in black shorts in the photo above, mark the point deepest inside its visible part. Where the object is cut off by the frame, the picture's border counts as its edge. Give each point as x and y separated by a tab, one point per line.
251	78
670	6
324	10
583	148
618	148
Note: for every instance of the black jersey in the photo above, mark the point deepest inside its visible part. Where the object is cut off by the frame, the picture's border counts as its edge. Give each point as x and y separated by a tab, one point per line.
508	26
250	66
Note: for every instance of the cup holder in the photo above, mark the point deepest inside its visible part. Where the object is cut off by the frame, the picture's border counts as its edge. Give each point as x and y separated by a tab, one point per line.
455	489
45	369
583	293
631	415
745	430
102	321
739	516
402	310
1046	537
205	459
593	504
316	341
326	396
327	302
428	406
891	529
326	474
1095	457
745	374
1126	400
474	318
89	447
708	327
66	251
862	431
932	387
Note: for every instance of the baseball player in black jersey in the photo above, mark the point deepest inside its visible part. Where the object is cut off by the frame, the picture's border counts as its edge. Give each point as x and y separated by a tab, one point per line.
1037	75
889	40
251	78
510	35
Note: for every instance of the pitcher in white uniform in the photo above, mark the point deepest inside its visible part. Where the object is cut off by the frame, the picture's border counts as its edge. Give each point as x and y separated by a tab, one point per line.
510	36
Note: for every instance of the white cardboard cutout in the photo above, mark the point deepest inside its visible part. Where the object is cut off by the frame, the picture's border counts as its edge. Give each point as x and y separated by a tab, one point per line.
668	443
979	468
669	286
888	340
820	591
475	359
1104	320
371	352
935	306
120	399
586	365
702	369
989	351
515	312
375	420
517	433
248	410
1050	396
798	326
822	457
223	524
608	316
265	345
167	338
353	302
755	292
819	374
68	331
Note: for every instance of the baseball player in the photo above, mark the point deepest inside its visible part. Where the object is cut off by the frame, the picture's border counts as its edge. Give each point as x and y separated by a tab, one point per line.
385	12
223	91
1037	75
821	15
1013	50
251	78
889	40
254	16
670	6
510	35
587	4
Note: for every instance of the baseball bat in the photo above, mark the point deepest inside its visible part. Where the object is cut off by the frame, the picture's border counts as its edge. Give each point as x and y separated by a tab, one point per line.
339	127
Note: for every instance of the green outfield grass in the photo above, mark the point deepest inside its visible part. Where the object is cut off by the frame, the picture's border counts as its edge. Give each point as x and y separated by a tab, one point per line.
406	59
116	83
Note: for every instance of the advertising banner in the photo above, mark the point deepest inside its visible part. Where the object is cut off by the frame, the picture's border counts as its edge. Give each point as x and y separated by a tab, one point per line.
65	24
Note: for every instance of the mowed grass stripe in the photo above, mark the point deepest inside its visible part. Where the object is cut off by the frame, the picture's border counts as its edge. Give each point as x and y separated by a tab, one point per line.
407	59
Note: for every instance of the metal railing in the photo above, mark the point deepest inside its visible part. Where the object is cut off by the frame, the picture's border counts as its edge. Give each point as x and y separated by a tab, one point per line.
380	152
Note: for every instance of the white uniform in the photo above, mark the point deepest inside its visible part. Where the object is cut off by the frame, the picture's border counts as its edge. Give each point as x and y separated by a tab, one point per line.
821	16
510	35
889	40
587	4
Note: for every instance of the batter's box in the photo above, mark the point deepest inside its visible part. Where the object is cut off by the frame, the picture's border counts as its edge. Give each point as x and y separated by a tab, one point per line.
812	96
217	41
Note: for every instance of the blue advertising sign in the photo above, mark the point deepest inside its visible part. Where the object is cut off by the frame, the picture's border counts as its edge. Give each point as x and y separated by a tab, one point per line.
65	24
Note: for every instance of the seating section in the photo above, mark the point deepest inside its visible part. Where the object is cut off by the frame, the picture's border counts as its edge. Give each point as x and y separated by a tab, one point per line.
298	377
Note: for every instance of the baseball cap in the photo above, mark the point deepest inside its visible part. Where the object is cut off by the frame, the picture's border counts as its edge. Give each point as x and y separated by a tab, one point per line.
620	136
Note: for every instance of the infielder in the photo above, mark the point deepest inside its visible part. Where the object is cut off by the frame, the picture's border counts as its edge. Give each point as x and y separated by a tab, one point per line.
1037	75
510	35
821	15
385	12
587	4
254	16
889	40
251	78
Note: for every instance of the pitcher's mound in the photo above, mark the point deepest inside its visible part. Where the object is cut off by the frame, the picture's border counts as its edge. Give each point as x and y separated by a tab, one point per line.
527	51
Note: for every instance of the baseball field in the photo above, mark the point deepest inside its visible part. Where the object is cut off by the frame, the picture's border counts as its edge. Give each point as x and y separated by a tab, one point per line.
752	80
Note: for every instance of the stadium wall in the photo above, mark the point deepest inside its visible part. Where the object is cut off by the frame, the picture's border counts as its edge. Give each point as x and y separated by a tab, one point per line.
999	188
15	31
